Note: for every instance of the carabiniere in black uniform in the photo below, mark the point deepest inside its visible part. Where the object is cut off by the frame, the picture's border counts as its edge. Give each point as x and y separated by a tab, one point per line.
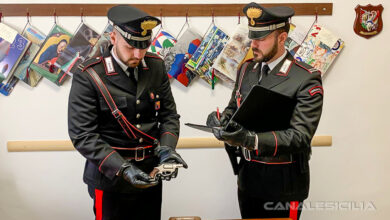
278	170
119	160
276	148
95	133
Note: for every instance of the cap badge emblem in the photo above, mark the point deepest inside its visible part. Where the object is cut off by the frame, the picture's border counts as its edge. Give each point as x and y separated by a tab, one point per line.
147	25
253	13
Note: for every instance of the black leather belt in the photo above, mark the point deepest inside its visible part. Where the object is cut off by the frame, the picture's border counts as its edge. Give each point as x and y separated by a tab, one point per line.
279	159
136	153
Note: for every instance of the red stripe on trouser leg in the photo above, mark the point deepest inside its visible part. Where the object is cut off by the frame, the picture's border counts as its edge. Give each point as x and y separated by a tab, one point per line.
99	204
294	210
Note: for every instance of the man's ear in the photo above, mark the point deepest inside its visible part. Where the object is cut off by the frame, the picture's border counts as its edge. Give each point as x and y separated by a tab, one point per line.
113	37
282	37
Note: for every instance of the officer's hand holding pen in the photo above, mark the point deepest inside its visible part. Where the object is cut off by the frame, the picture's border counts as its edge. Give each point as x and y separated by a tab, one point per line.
135	176
239	136
215	119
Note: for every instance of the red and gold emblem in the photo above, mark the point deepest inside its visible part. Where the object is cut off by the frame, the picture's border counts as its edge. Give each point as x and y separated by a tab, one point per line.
157	105
368	21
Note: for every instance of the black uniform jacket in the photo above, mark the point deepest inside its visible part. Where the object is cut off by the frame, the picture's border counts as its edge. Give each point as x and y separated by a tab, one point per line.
148	104
282	181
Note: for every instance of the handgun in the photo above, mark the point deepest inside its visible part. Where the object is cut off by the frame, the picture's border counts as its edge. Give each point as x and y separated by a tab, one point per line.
165	170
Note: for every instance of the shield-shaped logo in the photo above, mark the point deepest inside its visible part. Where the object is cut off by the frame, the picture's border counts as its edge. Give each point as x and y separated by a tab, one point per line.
368	21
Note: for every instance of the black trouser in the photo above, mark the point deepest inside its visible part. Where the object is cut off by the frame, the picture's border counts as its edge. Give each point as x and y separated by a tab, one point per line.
253	207
129	206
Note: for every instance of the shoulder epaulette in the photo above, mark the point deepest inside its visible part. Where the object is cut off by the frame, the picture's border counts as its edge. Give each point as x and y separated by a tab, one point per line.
88	63
307	67
246	61
249	60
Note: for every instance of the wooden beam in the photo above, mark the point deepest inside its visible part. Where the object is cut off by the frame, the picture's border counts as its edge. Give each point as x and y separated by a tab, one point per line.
166	10
199	142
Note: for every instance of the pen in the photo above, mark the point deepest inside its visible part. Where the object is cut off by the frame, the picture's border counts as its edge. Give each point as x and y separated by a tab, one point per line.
218	116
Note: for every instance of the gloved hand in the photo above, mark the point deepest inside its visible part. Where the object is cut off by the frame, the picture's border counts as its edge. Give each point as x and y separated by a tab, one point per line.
169	155
239	137
213	121
136	177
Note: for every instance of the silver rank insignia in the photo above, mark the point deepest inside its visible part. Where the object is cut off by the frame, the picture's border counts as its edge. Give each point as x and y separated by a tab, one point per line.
285	67
109	65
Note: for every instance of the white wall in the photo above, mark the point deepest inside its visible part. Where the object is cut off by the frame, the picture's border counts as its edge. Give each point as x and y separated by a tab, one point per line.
48	185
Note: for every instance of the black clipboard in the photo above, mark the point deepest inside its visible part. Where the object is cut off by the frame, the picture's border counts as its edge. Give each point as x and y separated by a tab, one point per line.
265	110
201	127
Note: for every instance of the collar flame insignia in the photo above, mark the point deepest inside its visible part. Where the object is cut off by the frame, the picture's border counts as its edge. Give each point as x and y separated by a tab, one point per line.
147	25
253	13
368	21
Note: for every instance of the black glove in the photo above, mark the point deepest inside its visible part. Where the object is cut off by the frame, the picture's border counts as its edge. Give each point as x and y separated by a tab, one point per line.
136	177
169	155
240	137
213	121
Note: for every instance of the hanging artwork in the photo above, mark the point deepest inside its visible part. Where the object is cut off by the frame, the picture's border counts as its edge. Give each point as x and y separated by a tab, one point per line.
102	44
23	71
161	44
54	45
368	21
12	48
204	57
320	48
79	47
234	52
179	55
296	36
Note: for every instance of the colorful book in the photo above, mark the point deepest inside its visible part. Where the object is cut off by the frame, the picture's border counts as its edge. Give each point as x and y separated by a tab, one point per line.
102	44
296	36
6	88
54	45
207	52
23	72
162	43
229	59
179	55
79	47
320	48
13	46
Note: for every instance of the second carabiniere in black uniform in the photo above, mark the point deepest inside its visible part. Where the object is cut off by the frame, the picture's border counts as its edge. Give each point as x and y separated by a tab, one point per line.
274	180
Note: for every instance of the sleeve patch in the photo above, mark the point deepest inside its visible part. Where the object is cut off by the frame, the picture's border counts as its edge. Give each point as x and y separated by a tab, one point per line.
316	90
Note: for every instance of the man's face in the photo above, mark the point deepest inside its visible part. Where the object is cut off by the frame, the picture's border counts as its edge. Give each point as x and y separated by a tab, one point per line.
265	49
61	47
128	54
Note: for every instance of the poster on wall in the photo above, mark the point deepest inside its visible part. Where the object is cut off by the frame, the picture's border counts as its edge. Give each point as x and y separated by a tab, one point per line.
368	21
